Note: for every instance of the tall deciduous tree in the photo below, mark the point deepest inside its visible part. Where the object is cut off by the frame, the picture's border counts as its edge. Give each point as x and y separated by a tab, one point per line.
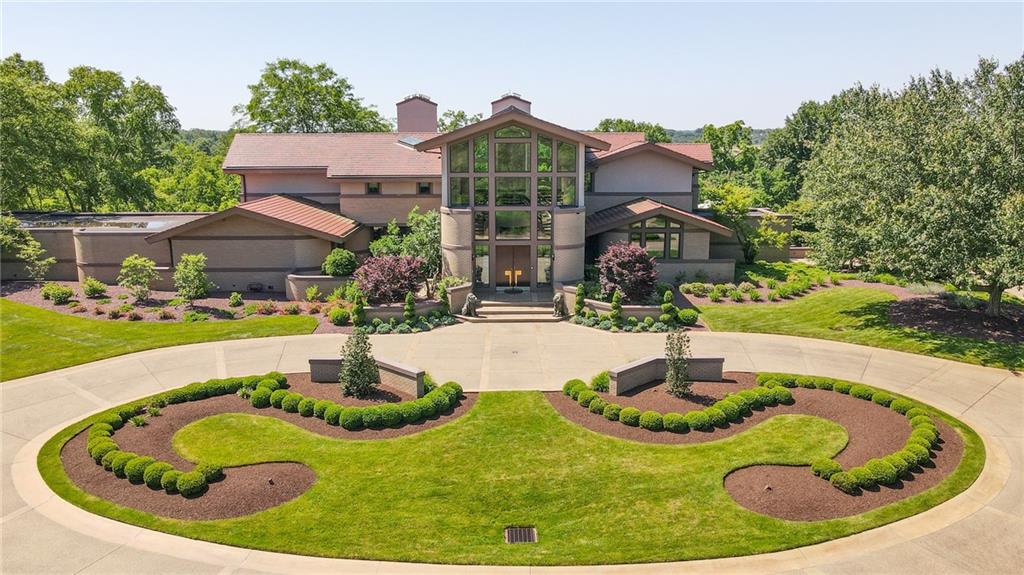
654	132
193	181
292	96
454	119
732	204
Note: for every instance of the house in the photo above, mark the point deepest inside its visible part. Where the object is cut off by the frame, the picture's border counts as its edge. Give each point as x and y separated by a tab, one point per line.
523	202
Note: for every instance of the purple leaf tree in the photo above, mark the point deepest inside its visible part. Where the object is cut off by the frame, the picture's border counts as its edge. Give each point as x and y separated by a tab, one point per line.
386	279
629	269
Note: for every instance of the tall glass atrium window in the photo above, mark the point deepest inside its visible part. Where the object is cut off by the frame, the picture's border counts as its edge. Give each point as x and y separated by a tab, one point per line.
566	157
458	157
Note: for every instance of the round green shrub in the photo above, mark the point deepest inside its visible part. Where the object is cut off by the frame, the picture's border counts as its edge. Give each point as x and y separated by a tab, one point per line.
921	454
915	412
612	411
567	387
927	434
908	457
453	388
373	418
113	420
845	482
753	400
675	422
120	461
769	383
601	381
730	409
687	316
882	398
411	412
919	441
652	420
825	468
210	471
597	405
882	472
440	400
782	395
585	397
108	458
841	386
716	417
864	478
135	469
100	451
306	406
806	382
921	420
742	402
270	383
427	407
260	397
901	405
698	420
154	473
862	391
320	408
191	484
898	463
390	415
824	383
575	390
332	414
630	416
101	429
169	481
95	441
291	401
352	418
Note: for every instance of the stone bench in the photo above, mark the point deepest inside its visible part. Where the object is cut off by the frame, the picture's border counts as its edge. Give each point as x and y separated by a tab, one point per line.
648	369
397	376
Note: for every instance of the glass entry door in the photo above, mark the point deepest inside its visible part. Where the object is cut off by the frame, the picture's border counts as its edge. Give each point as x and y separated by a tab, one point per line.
513	266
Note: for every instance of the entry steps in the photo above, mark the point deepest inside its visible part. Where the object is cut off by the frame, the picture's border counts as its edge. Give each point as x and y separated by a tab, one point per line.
492	311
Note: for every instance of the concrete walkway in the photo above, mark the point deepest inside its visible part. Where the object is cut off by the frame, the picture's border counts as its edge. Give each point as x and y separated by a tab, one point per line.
980	531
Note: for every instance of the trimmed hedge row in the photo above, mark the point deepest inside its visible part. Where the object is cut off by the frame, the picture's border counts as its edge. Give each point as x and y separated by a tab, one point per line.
730	409
885	470
437	401
139	469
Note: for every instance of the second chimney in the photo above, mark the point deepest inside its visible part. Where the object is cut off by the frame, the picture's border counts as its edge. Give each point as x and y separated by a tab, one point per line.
417	113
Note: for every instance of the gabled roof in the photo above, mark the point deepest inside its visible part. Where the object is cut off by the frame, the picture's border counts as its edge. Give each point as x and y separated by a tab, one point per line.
643	208
282	210
342	155
508	116
627	143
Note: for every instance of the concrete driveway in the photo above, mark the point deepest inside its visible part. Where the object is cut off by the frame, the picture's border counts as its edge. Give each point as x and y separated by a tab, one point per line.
980	531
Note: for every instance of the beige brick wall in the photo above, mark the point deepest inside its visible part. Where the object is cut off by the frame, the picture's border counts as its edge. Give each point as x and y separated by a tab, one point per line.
643	174
59	244
379	210
457	242
100	254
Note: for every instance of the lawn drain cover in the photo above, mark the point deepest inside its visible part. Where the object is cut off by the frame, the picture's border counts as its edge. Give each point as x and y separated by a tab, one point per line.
520	535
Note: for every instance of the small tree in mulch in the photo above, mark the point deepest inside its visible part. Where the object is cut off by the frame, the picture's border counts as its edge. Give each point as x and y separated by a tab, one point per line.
409	311
359	375
629	269
616	313
137	275
190	279
677	353
577	308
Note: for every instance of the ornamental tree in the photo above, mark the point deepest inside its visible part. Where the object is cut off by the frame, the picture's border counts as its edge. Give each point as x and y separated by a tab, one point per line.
190	279
627	268
17	241
359	376
137	275
732	204
386	279
677	354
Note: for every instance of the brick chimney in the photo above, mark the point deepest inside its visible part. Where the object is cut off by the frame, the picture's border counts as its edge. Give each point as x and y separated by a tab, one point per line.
510	99
417	113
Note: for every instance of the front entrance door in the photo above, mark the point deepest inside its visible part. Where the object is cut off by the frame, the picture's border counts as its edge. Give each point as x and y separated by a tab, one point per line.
513	266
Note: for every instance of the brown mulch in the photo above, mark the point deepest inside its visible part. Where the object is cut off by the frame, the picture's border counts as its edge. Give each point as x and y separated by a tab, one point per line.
244	490
795	493
937	315
900	292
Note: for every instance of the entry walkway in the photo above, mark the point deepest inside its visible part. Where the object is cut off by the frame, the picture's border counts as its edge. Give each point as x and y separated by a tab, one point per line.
980	531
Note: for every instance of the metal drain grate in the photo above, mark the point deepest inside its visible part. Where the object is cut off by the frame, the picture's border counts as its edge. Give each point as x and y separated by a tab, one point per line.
520	535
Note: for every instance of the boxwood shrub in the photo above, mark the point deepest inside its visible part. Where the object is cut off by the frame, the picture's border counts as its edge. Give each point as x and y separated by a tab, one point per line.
260	397
842	386
921	454
108	459
782	395
882	398
630	416
306	407
597	405
135	469
915	412
845	482
320	407
569	385
210	471
824	383
372	417
901	405
865	479
806	382
427	407
612	411
575	390
601	381
410	411
119	462
698	420
290	403
882	472
169	481
716	417
862	391
652	421
825	468
271	384
191	484
100	451
585	397
332	413
155	473
730	409
898	463
765	396
675	422
390	415
352	418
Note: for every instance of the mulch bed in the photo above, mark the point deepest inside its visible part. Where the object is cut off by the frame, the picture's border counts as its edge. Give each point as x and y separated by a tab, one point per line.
786	492
244	490
900	292
937	315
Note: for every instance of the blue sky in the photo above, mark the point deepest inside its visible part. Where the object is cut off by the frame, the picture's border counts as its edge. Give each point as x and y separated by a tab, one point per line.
681	65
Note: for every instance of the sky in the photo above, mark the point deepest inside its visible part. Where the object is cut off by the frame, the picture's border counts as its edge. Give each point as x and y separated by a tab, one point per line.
681	65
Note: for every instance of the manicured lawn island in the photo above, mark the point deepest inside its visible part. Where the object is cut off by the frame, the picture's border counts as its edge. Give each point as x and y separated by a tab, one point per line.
445	494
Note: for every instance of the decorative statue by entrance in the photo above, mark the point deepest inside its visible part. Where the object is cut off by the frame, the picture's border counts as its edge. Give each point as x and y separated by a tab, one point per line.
559	303
471	305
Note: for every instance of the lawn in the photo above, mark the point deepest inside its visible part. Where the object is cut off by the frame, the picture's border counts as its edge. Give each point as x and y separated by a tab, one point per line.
856	315
445	495
36	340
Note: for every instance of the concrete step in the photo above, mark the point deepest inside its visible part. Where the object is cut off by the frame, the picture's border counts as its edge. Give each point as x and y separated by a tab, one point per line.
513	310
512	318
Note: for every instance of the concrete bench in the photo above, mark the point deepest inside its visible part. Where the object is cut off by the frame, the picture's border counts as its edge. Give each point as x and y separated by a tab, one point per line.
648	369
397	376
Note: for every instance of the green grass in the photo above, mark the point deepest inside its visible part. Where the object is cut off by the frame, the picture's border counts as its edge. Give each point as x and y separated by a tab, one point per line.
445	495
856	315
36	340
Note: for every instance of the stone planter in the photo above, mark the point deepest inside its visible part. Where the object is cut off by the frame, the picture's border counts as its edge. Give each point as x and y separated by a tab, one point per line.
648	369
296	284
398	376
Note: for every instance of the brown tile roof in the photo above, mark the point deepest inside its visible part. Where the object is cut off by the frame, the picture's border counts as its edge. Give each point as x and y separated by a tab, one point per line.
289	211
642	208
698	154
352	155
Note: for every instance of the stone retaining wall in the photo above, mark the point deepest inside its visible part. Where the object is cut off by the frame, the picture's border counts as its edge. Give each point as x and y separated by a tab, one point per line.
600	307
396	310
395	375
296	284
648	369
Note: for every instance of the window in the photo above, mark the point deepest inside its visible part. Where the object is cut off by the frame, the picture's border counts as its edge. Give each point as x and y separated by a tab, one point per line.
511	157
544	191
481	265
655	244
588	182
660	236
512	131
458	157
543	225
458	192
481	192
566	157
373	188
512	225
566	191
480	153
424	188
512	191
543	154
543	265
481	225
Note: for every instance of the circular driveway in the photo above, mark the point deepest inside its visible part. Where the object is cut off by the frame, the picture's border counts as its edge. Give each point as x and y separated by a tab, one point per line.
979	531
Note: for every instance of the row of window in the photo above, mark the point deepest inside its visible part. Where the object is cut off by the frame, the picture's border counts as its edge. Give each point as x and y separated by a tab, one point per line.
661	237
422	188
511	191
511	225
511	156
